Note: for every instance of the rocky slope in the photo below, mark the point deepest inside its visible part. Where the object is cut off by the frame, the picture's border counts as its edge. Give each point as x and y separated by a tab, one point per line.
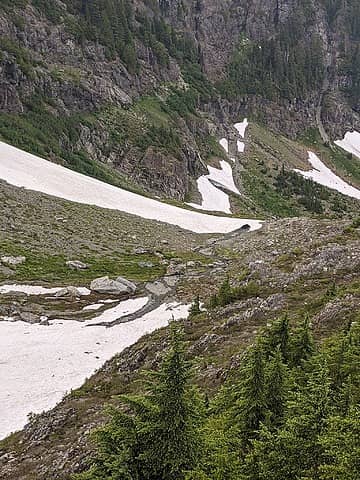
293	266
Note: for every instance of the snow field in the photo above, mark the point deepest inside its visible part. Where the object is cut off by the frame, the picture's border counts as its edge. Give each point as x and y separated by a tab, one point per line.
37	290
22	169
324	176
350	143
39	364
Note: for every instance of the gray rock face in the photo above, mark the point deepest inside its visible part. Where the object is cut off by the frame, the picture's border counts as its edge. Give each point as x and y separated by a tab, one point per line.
106	285
76	265
176	269
141	251
12	261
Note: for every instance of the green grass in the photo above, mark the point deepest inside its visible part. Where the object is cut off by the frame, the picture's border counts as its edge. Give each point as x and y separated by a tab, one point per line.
154	110
52	268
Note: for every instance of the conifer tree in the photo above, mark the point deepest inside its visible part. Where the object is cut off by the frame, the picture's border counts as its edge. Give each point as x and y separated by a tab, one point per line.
302	345
276	389
174	441
159	439
341	444
295	450
249	408
277	337
225	293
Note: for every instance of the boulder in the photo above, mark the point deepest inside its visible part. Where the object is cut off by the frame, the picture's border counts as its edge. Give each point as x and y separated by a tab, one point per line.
6	271
108	286
70	292
12	261
76	265
44	320
29	317
130	285
174	269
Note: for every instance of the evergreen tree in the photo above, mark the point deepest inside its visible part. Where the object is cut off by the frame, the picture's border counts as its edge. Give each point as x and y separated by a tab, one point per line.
174	439
249	408
225	293
302	345
276	389
295	450
341	444
277	337
159	439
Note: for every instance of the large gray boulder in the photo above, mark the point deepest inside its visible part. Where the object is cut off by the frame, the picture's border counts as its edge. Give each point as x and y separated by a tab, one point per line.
106	285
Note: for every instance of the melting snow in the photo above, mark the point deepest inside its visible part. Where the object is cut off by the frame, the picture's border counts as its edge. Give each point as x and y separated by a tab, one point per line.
37	290
124	308
240	146
324	176
223	176
350	143
225	144
241	127
213	198
39	364
94	306
25	170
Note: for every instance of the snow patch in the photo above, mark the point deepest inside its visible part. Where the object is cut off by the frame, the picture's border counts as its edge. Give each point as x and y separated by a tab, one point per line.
124	308
25	170
94	306
241	127
39	364
240	146
38	290
223	176
324	176
350	143
213	198
225	144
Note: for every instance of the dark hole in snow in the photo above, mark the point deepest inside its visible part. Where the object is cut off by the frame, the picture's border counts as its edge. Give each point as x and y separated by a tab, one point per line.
245	228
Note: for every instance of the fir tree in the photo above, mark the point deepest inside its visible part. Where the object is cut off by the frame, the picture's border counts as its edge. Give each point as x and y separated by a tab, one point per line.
174	442
249	408
159	439
225	293
341	445
302	345
277	337
276	389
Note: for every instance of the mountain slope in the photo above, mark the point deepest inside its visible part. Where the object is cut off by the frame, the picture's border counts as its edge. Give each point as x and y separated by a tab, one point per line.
301	267
113	89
